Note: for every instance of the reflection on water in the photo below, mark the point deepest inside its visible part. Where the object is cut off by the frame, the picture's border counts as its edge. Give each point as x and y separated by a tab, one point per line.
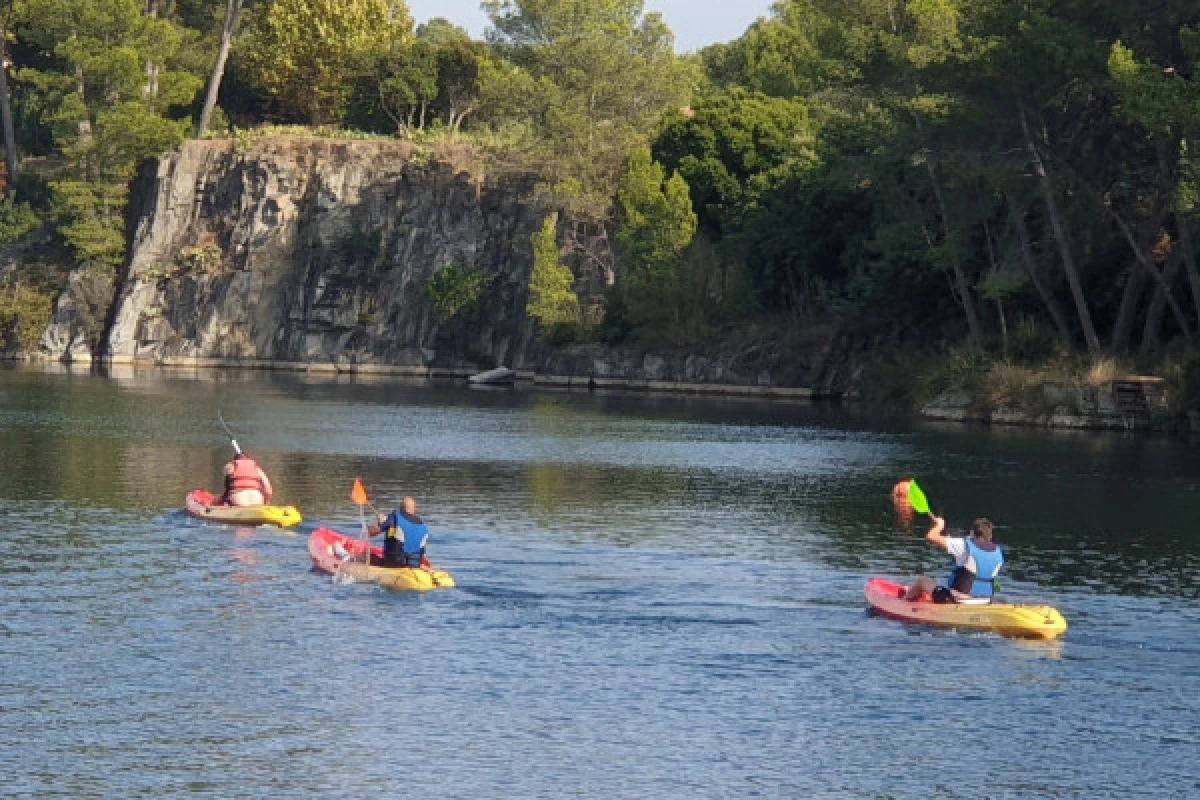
660	597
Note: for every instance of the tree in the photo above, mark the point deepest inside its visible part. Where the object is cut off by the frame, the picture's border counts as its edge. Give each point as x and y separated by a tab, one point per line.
308	54
552	300
119	68
601	74
657	226
233	18
8	20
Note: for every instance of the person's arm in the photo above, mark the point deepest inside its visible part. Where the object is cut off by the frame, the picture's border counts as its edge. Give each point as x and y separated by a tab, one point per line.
936	535
380	526
268	491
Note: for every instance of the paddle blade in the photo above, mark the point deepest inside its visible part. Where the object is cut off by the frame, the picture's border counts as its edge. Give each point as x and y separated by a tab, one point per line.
359	494
916	498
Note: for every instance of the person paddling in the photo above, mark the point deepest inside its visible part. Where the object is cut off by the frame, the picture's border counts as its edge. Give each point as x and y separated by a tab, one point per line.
977	561
245	483
405	539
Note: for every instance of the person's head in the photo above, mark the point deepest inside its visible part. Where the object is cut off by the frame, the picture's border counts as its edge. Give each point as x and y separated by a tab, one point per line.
981	529
409	506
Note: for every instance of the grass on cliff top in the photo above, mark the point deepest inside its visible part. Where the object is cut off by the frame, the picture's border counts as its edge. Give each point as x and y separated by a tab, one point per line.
465	150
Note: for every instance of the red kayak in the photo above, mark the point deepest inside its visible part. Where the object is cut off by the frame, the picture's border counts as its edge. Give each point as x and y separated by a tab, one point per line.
340	554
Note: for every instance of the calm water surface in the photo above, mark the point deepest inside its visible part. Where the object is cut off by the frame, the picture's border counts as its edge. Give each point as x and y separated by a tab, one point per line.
659	598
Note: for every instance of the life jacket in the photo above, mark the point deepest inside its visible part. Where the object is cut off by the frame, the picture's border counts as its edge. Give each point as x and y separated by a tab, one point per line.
404	545
245	476
977	577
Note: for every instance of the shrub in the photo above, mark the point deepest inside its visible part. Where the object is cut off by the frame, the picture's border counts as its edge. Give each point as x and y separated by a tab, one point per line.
454	290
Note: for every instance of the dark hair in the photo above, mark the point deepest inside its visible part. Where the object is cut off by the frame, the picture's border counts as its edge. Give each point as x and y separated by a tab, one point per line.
982	529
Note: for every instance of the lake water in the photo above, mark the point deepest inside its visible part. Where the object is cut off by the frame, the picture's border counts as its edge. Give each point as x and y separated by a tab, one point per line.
658	598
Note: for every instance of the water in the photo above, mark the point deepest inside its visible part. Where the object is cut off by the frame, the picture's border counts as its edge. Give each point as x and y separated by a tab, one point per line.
659	598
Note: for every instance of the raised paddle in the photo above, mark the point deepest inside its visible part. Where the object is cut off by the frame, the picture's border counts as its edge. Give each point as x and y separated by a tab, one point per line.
229	433
359	495
917	499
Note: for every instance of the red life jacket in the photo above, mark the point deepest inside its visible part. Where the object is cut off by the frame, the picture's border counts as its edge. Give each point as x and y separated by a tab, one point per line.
245	476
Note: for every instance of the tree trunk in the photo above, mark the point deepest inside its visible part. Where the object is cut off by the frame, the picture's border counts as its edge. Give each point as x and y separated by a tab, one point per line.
1154	316
1060	236
1168	295
6	117
960	277
1122	331
1184	232
233	13
1031	269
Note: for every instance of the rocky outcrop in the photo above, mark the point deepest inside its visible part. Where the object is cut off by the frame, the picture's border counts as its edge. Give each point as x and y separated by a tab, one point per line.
318	253
1133	403
312	250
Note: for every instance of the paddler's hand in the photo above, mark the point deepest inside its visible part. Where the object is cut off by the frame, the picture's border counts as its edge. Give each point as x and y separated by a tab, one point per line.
939	525
382	518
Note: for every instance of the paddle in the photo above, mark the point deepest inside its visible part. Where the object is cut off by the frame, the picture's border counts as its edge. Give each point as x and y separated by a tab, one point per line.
917	499
359	495
229	433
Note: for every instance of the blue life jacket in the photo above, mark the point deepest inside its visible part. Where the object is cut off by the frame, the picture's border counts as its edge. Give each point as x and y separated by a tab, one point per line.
978	577
404	545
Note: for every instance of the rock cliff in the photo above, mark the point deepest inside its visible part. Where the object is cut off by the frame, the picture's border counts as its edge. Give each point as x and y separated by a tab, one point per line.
308	250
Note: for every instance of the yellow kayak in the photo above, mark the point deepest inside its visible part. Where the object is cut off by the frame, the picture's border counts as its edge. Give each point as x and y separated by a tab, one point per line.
402	579
202	505
1025	622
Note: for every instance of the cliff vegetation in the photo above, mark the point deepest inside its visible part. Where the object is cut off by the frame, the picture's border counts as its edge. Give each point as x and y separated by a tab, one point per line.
925	184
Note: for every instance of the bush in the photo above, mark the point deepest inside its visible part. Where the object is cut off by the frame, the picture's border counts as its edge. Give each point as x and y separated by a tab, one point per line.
454	290
25	312
17	220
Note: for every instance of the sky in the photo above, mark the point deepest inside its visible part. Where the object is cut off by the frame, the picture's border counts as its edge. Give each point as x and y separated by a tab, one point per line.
696	22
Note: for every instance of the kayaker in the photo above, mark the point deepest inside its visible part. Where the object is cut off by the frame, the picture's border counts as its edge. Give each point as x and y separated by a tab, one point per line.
977	561
245	483
405	539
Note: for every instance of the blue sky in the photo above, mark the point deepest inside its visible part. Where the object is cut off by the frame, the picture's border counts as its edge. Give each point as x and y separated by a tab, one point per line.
696	22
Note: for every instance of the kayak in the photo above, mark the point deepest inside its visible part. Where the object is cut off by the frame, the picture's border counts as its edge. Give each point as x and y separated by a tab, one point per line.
403	579
1026	622
203	505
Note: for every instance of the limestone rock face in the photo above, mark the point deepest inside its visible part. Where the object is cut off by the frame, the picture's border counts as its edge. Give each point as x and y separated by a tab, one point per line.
312	250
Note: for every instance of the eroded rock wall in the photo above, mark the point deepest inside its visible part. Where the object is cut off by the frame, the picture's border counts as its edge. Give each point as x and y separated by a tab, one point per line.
312	250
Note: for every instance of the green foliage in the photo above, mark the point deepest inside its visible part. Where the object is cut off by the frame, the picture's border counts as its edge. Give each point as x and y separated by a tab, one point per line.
657	227
26	308
552	299
17	220
456	290
90	219
592	76
308	54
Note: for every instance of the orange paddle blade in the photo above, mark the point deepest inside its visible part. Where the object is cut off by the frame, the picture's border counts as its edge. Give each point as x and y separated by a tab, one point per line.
359	494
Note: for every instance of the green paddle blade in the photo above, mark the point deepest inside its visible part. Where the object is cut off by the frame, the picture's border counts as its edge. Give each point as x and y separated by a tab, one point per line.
916	498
